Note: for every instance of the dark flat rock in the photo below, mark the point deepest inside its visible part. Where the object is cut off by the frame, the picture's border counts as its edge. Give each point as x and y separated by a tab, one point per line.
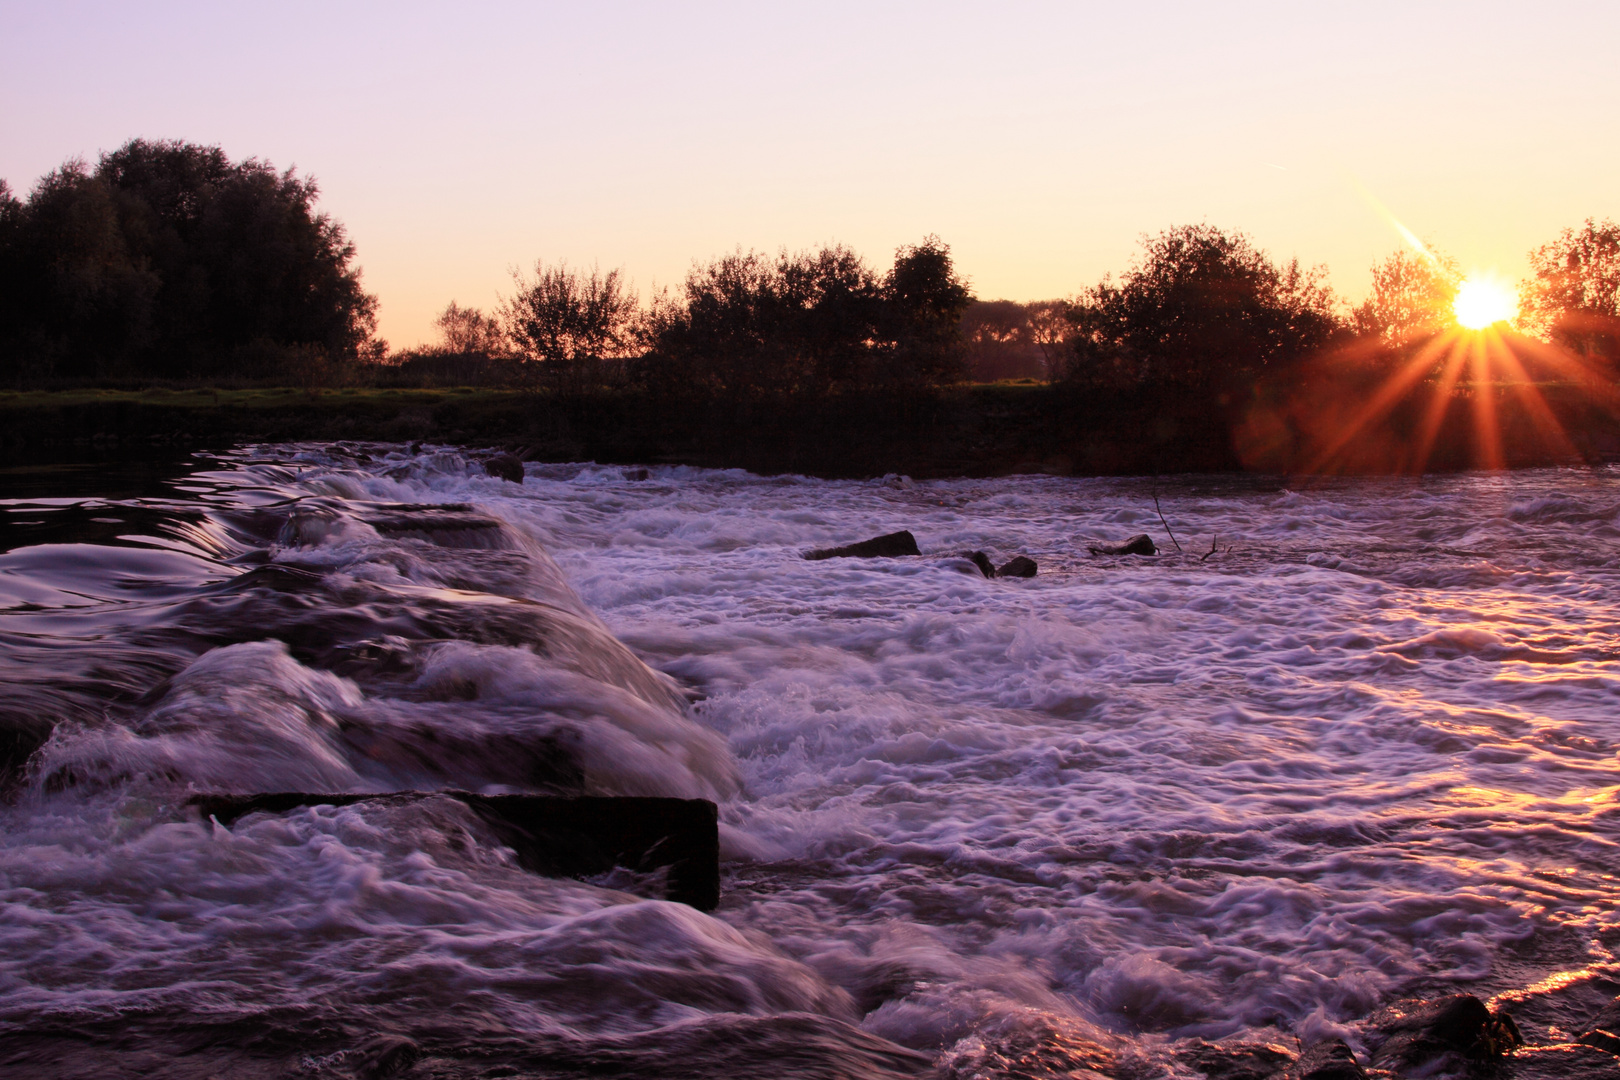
1237	1061
889	545
1018	566
1140	544
398	520
1330	1059
555	835
505	466
1604	1032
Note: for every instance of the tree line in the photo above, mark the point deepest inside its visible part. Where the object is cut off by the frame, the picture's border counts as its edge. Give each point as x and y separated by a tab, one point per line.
1201	314
168	260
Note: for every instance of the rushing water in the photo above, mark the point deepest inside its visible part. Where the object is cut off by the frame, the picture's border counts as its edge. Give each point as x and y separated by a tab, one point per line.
1364	750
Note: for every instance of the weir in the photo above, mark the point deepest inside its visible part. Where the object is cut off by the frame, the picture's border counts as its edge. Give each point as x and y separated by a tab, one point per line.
557	836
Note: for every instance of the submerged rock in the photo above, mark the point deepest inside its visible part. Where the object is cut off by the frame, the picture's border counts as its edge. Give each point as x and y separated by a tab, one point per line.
889	545
636	474
1330	1059
505	466
1140	544
982	561
1416	1033
555	835
1236	1061
1605	1030
385	1056
1018	566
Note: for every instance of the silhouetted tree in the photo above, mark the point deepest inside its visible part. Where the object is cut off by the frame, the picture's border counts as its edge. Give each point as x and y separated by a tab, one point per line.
1203	312
746	325
999	341
567	321
1573	296
813	323
828	310
925	299
1411	298
1049	329
170	259
468	331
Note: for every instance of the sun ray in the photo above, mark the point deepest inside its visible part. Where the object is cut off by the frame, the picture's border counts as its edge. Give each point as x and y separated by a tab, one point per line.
1535	405
1384	398
1487	431
1439	401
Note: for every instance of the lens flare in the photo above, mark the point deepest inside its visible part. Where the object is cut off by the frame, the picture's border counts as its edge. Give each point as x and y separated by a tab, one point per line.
1483	302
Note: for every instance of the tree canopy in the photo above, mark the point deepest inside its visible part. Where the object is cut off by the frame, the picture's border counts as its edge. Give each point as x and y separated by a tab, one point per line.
169	259
1574	294
1411	298
813	322
1201	311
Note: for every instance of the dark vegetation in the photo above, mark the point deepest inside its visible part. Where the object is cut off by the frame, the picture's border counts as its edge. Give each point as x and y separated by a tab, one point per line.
169	260
167	267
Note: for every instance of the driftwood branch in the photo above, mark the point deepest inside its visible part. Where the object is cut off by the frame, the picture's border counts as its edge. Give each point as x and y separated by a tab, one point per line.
1166	524
1211	551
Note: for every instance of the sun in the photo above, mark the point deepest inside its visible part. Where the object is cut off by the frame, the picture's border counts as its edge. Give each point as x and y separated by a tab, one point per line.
1482	302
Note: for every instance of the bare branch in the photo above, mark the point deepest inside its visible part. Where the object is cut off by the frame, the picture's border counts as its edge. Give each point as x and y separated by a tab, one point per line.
1166	524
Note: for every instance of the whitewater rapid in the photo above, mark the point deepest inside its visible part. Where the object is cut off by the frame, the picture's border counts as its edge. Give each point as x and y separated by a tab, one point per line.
1355	741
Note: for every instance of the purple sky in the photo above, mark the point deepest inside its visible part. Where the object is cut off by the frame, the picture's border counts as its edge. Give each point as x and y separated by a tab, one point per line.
1039	140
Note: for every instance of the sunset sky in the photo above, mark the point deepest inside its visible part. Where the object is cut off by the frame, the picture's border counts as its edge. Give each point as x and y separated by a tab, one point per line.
1039	140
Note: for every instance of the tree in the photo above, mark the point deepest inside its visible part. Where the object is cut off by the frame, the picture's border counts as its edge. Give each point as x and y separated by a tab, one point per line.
567	321
468	331
748	325
1005	339
1411	298
925	300
170	259
827	313
1049	328
1573	296
812	323
1202	312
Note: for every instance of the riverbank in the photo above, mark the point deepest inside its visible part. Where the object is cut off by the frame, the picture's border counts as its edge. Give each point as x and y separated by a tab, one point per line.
977	430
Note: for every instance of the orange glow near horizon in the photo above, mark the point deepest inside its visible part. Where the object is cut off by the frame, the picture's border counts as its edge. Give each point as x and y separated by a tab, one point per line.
1481	370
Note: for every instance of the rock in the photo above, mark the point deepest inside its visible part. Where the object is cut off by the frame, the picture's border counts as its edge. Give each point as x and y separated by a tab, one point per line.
635	474
1415	1033
1140	544
386	1055
1330	1059
505	466
1605	1030
889	545
1236	1061
555	835
1018	566
982	561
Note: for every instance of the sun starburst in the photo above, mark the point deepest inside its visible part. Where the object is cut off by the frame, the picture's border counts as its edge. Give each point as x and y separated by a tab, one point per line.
1483	301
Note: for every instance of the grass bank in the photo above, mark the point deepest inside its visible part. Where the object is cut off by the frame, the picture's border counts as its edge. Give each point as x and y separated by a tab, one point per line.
984	429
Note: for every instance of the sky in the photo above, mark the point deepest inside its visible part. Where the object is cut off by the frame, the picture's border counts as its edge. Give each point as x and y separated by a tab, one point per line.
1040	141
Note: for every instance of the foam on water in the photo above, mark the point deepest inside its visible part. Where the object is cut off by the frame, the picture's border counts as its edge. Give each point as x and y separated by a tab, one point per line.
1364	749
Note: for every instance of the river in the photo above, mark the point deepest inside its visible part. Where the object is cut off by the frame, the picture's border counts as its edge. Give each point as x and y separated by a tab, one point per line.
1355	742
